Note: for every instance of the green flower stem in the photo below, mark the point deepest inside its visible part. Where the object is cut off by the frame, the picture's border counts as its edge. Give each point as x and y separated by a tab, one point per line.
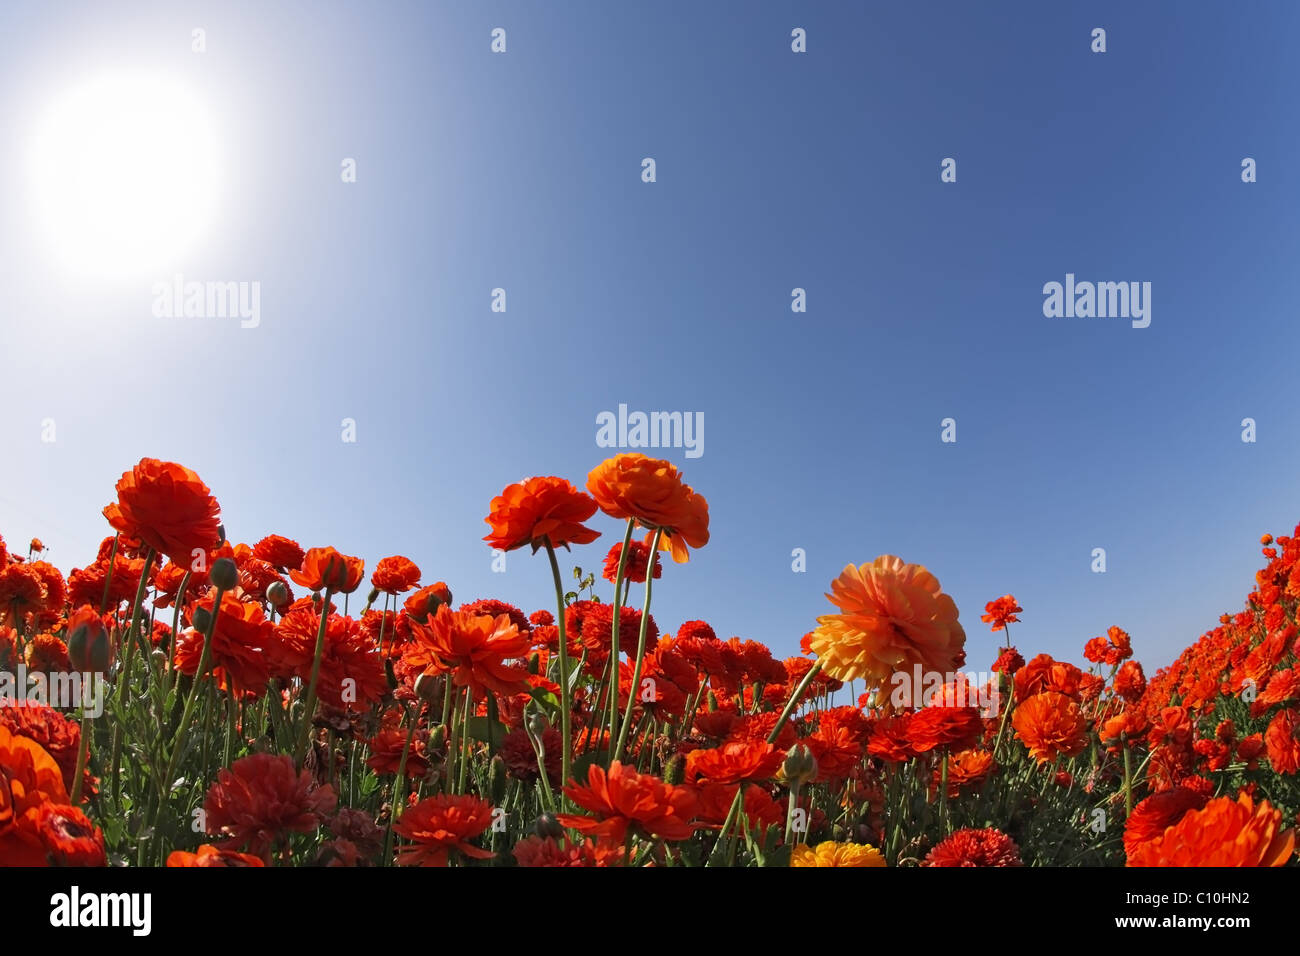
108	578
399	785
566	703
613	641
305	729
453	737
793	702
83	746
465	754
124	677
640	645
204	660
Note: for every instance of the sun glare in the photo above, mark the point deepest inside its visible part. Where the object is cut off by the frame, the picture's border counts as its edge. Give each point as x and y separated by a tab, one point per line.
124	176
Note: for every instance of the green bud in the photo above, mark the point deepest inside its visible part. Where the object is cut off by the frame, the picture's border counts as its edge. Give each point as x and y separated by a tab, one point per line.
674	770
800	766
497	780
277	594
546	825
224	574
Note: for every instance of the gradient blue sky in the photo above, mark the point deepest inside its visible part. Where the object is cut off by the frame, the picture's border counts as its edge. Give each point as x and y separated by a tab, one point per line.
775	170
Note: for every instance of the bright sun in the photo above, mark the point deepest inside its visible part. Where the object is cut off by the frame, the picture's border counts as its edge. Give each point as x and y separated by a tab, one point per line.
124	174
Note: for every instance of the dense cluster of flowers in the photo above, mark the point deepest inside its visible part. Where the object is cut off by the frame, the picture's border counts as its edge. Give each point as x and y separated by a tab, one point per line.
249	724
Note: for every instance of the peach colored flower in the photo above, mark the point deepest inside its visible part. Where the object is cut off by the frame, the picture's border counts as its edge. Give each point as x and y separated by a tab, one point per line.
893	615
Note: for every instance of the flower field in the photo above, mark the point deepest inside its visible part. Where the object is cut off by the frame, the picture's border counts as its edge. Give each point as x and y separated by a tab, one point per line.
184	700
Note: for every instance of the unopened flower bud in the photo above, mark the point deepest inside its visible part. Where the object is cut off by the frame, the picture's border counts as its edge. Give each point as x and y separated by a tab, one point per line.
497	780
547	826
89	648
537	725
534	663
674	770
201	619
372	597
800	766
224	574
428	687
277	594
437	738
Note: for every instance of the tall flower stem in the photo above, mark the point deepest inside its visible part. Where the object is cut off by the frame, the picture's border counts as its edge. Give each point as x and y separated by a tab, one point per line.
304	730
83	746
566	705
613	640
640	645
793	702
465	736
399	785
204	660
124	677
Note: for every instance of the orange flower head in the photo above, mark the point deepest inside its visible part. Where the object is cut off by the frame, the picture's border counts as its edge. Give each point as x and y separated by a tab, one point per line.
1050	725
326	569
734	761
1001	612
258	800
538	510
213	856
651	492
831	853
395	575
29	780
892	617
475	648
989	847
437	825
623	799
166	507
1225	832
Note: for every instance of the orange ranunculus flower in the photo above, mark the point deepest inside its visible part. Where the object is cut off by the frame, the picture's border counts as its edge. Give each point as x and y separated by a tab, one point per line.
29	780
965	769
166	507
245	645
327	569
538	510
474	647
934	727
258	800
1051	725
69	837
892	616
831	853
437	825
213	856
1282	738
624	799
987	847
545	851
349	655
1225	832
396	575
427	600
1157	813
652	492
1001	612
734	761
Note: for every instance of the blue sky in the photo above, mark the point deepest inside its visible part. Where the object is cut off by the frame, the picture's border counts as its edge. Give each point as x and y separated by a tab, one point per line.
775	170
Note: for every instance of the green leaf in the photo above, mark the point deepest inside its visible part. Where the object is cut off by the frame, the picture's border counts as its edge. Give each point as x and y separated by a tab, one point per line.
479	727
546	698
578	769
